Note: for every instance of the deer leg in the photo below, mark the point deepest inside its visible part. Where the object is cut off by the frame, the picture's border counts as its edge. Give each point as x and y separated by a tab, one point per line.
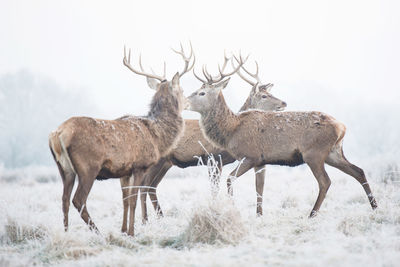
66	198
80	197
260	178
152	192
137	181
125	182
149	177
318	169
339	161
242	168
162	169
68	178
143	203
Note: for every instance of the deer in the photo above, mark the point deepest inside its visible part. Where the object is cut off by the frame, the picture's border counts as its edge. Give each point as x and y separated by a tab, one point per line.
98	149
260	138
188	150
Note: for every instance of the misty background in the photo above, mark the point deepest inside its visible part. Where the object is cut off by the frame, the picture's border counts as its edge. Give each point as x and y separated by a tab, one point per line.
62	59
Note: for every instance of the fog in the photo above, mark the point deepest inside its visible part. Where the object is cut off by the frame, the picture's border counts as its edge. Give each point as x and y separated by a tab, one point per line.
63	59
31	107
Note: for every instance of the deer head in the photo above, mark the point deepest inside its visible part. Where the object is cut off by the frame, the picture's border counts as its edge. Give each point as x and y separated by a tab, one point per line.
205	97
158	82
260	96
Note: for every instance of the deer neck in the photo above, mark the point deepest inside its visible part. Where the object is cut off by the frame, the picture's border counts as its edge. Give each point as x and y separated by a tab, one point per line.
246	105
219	123
168	124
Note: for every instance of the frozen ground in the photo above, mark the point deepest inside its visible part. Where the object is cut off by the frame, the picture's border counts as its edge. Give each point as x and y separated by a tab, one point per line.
198	232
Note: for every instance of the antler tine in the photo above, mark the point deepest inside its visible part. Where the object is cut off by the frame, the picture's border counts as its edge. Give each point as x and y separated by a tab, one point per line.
127	63
206	74
210	79
178	52
222	75
129	56
165	69
190	56
256	67
242	76
186	59
226	60
198	78
191	49
194	60
152	71
140	63
255	75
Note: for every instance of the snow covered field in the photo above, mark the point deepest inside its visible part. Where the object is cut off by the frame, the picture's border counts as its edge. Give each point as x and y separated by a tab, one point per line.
197	231
60	59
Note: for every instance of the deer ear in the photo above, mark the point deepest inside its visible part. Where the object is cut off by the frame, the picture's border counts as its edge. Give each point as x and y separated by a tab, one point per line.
269	87
152	83
222	85
175	80
266	87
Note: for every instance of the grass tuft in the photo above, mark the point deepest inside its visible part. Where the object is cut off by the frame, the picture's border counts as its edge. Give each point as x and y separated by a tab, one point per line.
17	233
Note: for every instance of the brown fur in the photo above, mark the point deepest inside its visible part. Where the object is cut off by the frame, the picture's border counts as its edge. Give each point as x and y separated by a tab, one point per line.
102	149
287	138
188	150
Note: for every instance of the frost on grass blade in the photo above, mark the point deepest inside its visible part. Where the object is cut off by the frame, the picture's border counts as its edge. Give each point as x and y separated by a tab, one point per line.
16	233
217	221
214	169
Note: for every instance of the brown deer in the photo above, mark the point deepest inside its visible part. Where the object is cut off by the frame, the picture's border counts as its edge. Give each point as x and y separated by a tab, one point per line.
188	150
102	149
285	138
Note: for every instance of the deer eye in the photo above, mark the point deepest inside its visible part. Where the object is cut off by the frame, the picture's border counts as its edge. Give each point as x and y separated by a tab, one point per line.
264	96
202	93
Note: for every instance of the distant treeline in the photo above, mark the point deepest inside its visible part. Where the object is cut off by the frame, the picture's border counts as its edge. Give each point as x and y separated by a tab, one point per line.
31	106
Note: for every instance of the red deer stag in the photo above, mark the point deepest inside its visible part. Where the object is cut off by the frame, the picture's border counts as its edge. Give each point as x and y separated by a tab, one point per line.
284	138
188	149
101	149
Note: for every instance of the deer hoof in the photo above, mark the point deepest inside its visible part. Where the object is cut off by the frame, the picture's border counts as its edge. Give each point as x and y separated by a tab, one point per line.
313	214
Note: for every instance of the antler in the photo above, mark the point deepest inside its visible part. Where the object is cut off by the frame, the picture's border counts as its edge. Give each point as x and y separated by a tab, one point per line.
209	76
255	75
141	67
186	59
127	63
198	78
221	76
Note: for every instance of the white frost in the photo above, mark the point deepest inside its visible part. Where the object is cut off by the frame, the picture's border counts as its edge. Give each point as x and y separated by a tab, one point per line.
346	232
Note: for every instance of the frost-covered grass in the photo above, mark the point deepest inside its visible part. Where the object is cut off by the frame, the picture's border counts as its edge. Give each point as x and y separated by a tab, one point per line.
199	231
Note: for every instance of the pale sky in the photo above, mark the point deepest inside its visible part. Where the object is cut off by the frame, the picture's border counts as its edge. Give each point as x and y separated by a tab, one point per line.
325	55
